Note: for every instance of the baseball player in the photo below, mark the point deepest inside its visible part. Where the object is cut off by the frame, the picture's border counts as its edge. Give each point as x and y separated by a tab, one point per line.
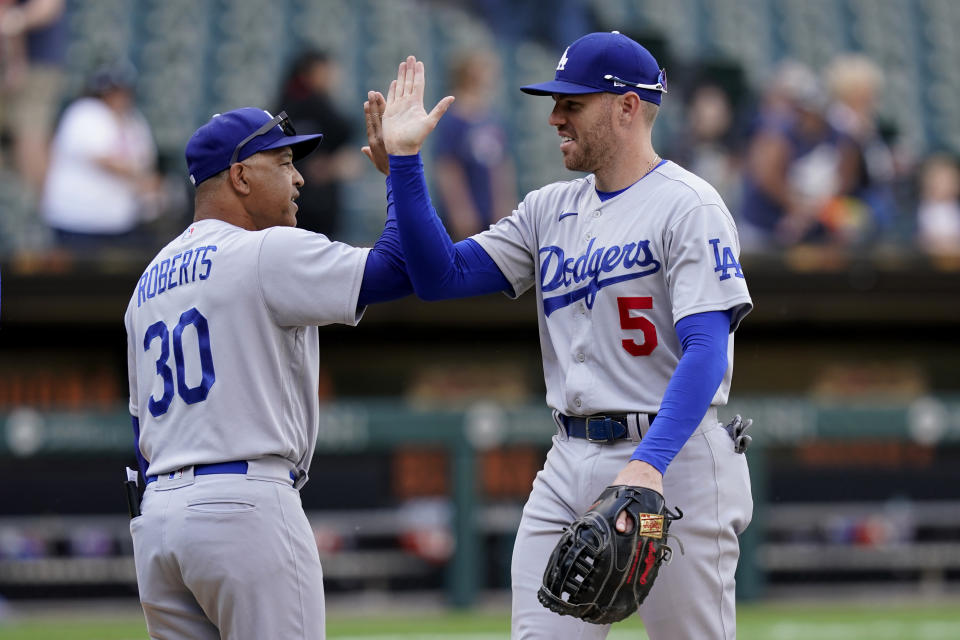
224	356
639	290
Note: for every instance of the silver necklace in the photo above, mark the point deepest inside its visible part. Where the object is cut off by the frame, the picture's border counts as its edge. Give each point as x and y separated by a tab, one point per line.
650	167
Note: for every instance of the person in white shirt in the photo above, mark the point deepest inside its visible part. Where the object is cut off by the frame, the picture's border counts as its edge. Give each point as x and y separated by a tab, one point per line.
102	175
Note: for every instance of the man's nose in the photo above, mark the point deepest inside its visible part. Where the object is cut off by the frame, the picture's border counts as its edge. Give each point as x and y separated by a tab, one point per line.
297	178
555	118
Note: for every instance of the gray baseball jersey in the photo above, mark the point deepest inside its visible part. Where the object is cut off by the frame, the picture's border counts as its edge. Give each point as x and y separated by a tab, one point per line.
223	347
224	365
612	279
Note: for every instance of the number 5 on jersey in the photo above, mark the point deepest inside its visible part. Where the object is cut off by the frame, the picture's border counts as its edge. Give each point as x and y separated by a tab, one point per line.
628	321
189	394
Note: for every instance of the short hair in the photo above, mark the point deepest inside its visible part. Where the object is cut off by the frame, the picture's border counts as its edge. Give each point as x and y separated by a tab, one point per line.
649	111
208	185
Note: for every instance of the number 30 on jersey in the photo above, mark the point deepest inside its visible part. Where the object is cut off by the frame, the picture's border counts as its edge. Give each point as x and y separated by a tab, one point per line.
191	395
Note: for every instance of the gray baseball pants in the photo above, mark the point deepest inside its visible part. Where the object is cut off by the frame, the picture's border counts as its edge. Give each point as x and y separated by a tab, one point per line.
228	556
693	597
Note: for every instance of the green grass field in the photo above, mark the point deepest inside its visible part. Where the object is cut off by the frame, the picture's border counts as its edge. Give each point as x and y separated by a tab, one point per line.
756	622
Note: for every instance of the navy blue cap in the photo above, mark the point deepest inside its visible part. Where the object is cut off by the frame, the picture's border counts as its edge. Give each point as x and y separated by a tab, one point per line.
211	148
605	62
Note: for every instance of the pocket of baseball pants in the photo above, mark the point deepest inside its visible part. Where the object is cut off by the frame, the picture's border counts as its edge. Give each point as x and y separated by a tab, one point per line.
221	506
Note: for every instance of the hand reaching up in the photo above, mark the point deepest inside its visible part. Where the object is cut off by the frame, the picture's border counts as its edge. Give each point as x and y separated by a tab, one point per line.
406	124
375	150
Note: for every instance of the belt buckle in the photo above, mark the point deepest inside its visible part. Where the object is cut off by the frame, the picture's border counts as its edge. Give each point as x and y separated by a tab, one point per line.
607	422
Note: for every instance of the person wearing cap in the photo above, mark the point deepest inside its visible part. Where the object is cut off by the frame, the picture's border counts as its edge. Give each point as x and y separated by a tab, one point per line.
224	360
639	289
102	183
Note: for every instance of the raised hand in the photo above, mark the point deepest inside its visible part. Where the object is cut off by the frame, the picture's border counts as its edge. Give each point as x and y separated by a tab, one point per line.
375	149
406	124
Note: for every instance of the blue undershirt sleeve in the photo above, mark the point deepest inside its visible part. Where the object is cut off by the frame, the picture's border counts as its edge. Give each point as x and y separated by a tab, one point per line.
385	273
704	338
438	268
141	461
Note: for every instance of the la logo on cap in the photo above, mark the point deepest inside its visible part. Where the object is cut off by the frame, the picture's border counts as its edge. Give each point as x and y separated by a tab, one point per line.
563	60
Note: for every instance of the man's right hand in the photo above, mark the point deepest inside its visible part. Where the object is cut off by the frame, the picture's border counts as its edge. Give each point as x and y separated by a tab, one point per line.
375	150
406	124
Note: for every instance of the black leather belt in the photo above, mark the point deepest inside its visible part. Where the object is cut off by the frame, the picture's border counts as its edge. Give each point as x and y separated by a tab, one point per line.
598	428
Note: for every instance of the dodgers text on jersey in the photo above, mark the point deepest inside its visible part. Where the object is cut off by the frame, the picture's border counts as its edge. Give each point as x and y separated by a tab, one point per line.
556	271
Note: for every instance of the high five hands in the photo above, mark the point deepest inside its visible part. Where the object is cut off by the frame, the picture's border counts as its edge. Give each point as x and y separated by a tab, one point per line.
375	149
405	122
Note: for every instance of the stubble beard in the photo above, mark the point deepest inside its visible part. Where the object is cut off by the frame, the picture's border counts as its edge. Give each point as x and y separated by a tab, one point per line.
593	149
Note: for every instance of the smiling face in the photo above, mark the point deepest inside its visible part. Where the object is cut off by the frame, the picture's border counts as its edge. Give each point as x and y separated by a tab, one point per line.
274	186
585	125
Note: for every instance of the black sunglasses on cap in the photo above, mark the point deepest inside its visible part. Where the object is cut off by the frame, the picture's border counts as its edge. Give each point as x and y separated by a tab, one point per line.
280	120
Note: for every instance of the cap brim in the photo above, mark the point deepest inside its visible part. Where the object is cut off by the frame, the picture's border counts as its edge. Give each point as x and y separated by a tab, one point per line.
301	146
558	86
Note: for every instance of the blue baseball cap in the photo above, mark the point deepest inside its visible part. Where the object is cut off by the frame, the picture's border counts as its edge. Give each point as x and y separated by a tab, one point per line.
235	135
605	62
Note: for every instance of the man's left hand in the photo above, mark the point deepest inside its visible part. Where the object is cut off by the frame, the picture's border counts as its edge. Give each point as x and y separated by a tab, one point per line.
637	474
406	124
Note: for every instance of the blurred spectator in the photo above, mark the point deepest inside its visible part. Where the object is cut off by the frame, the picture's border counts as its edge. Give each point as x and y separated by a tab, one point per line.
475	176
706	147
306	97
791	82
793	167
554	26
854	82
33	42
938	210
102	182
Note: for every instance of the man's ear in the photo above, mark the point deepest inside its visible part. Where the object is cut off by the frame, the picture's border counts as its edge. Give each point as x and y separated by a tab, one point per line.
628	108
237	174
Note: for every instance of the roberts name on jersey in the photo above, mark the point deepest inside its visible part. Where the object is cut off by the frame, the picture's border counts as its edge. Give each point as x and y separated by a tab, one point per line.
188	266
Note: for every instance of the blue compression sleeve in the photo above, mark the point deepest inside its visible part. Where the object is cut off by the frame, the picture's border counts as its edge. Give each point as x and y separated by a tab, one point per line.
385	274
141	461
704	337
438	268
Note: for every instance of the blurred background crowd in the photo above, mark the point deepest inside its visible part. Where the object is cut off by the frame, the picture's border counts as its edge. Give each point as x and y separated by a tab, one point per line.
830	127
821	123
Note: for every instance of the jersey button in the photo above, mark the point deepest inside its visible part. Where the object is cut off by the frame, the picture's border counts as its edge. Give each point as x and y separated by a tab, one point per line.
596	214
576	402
581	357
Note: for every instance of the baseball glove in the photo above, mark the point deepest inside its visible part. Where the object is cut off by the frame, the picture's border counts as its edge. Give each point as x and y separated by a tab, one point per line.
599	574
